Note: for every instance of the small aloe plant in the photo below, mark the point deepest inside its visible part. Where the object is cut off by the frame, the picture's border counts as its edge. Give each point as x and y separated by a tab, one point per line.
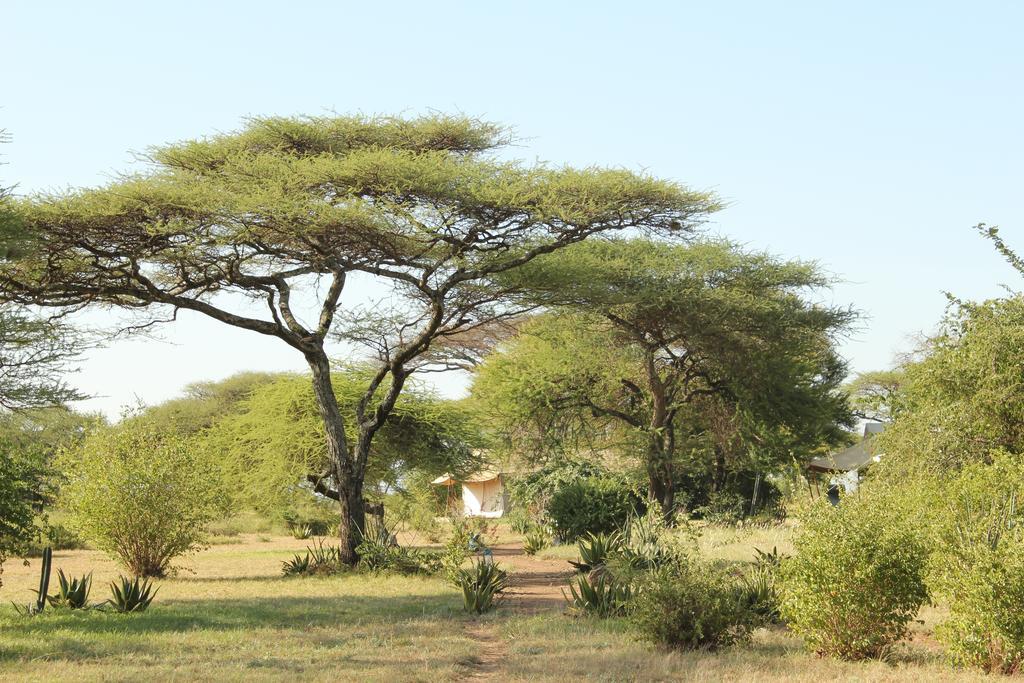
132	595
73	593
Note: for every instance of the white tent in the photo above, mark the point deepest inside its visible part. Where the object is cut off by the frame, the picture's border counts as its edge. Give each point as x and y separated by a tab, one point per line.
483	494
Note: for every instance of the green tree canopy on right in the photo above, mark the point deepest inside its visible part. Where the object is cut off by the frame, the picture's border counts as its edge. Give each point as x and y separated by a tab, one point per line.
662	344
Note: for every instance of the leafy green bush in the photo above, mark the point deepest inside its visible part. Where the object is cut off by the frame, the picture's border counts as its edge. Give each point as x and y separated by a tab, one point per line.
692	606
598	593
593	505
856	580
482	585
760	586
17	518
978	566
141	495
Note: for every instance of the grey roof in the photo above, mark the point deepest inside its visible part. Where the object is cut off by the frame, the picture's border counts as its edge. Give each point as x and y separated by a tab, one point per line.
854	458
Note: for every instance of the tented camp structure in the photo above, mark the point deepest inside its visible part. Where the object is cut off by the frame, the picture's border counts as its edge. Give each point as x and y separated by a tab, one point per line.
483	494
844	468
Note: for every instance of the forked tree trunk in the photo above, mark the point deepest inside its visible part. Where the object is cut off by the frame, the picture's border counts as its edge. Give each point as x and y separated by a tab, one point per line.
662	482
347	477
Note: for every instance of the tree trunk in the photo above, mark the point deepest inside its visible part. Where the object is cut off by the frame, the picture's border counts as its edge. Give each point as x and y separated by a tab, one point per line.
662	483
347	477
718	482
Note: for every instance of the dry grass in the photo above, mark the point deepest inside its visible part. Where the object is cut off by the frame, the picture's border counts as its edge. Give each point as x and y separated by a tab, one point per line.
229	616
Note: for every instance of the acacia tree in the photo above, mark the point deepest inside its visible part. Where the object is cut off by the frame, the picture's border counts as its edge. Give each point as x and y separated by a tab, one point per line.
298	205
669	341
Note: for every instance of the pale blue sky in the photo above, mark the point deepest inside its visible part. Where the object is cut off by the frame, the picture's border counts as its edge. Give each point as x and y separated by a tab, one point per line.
869	136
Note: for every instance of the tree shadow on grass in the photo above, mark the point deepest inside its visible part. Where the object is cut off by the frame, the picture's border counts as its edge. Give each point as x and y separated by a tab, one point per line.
82	635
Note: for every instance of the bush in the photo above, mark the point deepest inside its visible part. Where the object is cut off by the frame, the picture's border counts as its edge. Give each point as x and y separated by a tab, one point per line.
692	606
379	551
597	505
17	518
978	568
142	496
856	580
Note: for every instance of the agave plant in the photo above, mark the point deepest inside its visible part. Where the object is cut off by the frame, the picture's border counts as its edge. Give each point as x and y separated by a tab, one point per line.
297	566
482	585
596	550
599	594
133	595
536	540
302	531
72	593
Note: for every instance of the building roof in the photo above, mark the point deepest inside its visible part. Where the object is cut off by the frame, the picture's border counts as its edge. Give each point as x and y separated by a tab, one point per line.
483	475
856	457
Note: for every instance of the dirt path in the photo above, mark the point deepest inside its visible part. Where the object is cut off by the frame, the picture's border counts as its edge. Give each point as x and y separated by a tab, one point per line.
536	586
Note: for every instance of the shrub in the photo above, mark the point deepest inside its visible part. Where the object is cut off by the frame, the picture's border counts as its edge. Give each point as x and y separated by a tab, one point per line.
856	580
17	518
482	585
141	495
692	606
760	586
594	505
978	567
319	559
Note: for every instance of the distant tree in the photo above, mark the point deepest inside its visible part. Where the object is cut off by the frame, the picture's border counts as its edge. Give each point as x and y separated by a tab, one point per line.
659	341
419	206
875	395
963	400
272	443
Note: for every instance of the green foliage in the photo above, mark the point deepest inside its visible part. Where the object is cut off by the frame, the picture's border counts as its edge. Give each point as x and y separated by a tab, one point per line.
597	549
857	578
379	552
301	531
318	560
39	605
599	594
132	595
17	518
978	565
963	399
141	495
275	439
692	606
482	585
607	368
760	586
593	505
531	493
71	593
536	539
